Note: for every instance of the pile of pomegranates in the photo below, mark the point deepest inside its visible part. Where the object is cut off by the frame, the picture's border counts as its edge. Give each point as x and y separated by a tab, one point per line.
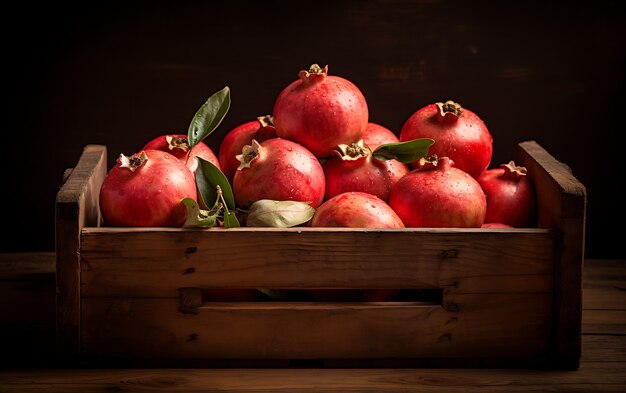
318	160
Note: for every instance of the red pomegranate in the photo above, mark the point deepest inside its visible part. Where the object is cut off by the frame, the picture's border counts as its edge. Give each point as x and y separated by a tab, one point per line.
355	210
176	144
354	168
146	189
511	196
280	170
376	135
458	133
439	195
260	129
320	111
495	225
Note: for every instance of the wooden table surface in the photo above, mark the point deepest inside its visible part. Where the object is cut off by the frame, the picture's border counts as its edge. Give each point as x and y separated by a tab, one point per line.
29	363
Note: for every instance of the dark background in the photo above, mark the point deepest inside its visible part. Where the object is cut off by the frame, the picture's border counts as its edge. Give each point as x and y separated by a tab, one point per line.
119	75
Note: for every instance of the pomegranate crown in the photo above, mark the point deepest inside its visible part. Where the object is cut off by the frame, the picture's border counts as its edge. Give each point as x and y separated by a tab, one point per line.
353	151
449	109
177	142
133	162
513	169
266	121
434	162
248	154
315	72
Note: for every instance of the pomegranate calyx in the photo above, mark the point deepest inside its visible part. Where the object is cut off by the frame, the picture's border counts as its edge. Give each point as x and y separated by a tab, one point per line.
133	162
174	142
249	153
353	151
449	110
430	162
314	73
316	69
514	169
266	121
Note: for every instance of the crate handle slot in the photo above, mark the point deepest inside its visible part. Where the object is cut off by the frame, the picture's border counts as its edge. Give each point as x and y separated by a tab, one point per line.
193	298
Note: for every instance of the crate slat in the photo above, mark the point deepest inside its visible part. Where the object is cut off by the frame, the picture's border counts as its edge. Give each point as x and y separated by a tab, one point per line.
76	207
310	257
483	325
562	201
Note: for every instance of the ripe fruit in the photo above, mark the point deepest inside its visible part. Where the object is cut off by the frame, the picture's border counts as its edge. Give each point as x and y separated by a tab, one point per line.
354	168
510	196
458	133
232	144
320	111
176	144
146	189
376	135
280	170
495	225
356	210
439	195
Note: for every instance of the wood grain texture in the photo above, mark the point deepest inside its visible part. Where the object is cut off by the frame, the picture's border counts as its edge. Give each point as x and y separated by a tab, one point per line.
605	375
480	325
562	203
602	369
115	262
76	207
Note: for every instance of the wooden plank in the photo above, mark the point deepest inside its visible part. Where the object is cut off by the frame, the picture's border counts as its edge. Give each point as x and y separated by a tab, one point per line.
610	295
597	270
605	348
116	262
604	321
606	377
27	266
76	207
481	325
604	284
27	307
562	204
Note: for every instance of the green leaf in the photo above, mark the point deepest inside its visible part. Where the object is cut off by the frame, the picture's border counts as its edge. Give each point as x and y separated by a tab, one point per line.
230	220
405	152
197	217
209	116
208	178
280	214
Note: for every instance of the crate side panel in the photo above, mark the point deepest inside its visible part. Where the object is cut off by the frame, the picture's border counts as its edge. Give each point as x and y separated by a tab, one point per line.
158	262
76	206
483	326
562	205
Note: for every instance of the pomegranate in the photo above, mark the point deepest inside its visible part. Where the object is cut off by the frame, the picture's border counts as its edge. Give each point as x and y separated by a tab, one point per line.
495	225
355	210
439	195
176	144
259	130
356	169
376	135
510	196
458	133
146	189
320	111
280	170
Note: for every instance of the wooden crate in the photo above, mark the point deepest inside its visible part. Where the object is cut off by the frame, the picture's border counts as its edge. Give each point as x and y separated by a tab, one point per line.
509	297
